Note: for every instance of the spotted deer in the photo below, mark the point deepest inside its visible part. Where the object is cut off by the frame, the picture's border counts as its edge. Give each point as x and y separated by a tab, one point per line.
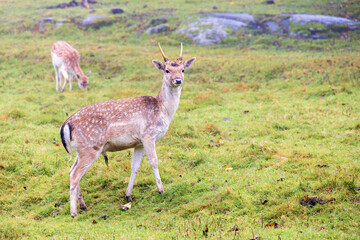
66	61
116	125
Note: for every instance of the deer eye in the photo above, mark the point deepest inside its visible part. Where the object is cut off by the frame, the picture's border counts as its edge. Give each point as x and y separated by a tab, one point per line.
167	71
183	70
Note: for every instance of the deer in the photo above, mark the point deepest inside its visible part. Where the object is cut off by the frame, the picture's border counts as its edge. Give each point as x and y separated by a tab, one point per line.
116	125
66	61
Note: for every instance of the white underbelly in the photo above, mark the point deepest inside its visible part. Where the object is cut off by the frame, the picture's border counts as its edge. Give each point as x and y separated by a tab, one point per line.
120	143
121	138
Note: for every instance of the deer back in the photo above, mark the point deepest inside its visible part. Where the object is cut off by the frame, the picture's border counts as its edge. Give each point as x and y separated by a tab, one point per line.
130	118
68	55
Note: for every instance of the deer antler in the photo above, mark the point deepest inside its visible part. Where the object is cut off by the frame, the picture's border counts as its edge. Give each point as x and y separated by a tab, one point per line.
180	58
163	54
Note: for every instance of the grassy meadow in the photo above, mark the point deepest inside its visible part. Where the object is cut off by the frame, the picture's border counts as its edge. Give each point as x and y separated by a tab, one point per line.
285	118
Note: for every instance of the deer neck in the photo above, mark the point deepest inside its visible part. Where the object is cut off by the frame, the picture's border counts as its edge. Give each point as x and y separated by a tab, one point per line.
77	70
169	98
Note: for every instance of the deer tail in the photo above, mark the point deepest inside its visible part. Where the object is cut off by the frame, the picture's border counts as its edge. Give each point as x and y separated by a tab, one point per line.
65	133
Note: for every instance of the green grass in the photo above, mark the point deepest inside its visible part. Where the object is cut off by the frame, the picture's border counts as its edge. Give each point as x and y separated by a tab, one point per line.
294	131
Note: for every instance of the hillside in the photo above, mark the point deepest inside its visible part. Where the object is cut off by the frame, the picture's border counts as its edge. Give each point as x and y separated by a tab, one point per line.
264	145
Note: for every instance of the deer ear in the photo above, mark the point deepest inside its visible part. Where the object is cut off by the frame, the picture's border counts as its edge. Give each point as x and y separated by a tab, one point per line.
188	62
88	74
159	65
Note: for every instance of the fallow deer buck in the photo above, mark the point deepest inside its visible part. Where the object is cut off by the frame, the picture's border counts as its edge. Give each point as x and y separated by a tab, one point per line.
120	124
66	61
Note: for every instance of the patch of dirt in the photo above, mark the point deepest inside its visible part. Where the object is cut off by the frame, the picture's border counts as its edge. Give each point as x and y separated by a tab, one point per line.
311	201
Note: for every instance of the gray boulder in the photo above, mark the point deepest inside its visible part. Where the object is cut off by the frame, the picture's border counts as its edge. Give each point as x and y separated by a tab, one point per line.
116	10
157	29
316	26
272	26
244	17
212	28
303	19
95	22
303	25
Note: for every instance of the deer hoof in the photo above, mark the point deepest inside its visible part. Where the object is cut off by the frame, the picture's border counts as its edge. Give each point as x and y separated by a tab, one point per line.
128	198
84	208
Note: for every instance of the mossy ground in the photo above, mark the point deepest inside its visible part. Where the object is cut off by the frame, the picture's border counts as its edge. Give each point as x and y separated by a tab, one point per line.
287	115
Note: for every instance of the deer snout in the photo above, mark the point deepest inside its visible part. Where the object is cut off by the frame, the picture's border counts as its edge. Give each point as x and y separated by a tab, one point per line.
83	86
178	81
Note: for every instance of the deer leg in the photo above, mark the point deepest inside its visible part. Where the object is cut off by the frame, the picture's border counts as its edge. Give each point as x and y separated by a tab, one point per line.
56	77
60	78
82	204
70	81
106	158
66	77
149	146
83	162
135	165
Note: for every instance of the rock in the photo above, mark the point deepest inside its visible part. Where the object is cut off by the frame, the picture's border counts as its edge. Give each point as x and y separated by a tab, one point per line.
316	26
42	22
157	29
303	25
158	21
210	35
270	2
303	19
285	24
95	22
272	26
116	10
211	30
244	17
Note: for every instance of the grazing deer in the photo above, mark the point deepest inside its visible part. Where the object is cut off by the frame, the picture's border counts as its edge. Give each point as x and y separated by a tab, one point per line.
120	124
66	61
